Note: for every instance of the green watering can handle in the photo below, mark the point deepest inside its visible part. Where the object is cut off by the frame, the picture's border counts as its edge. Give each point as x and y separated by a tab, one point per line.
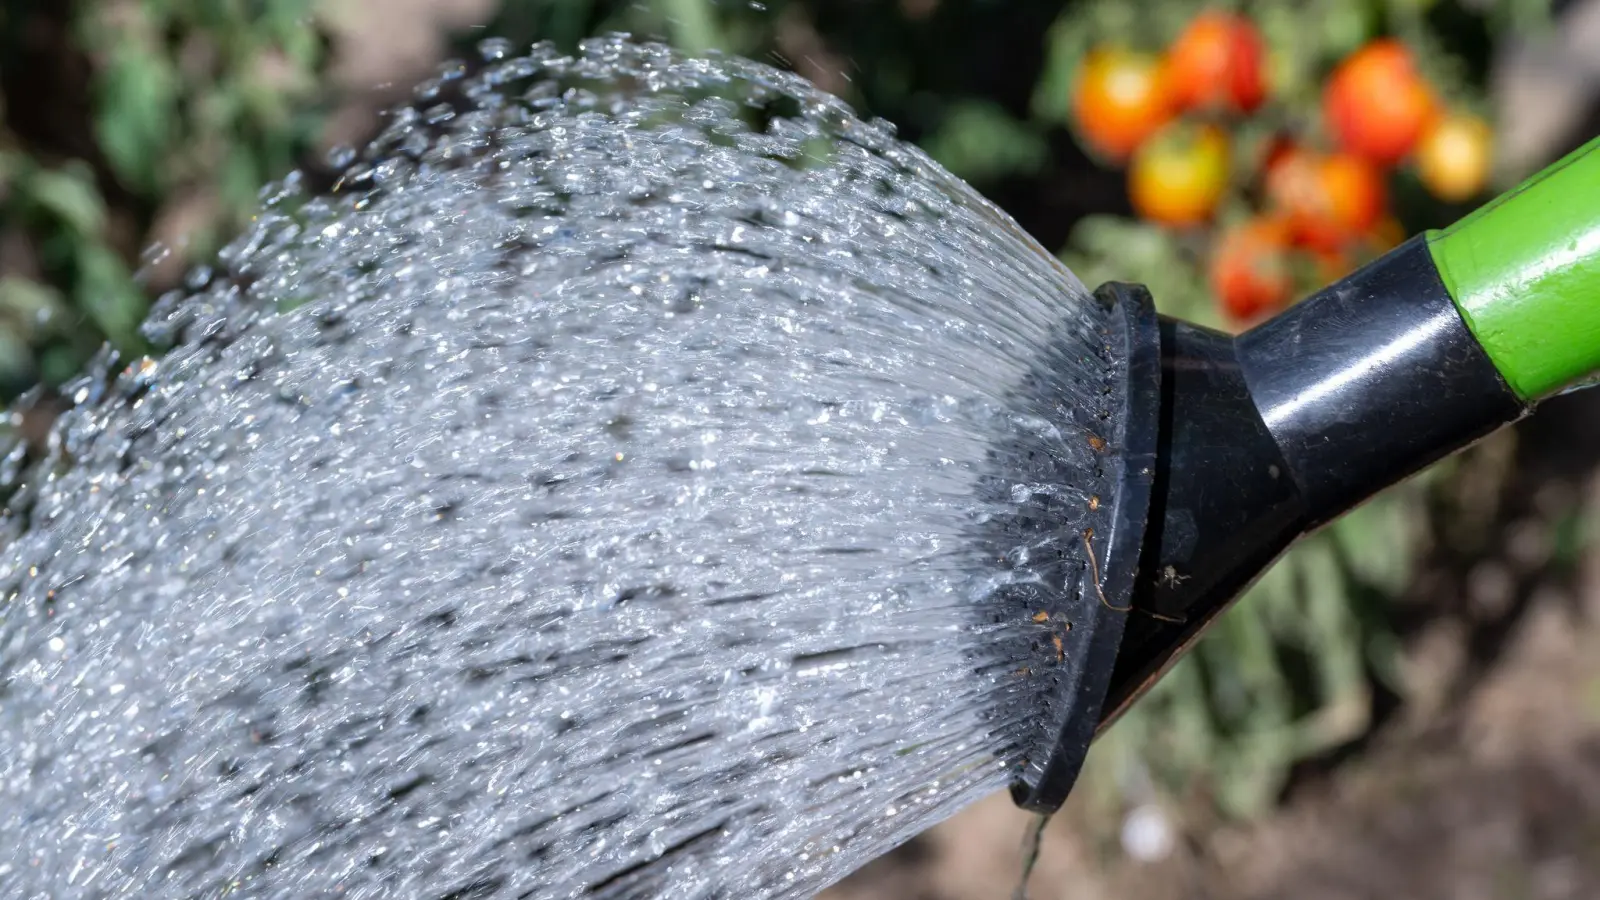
1525	272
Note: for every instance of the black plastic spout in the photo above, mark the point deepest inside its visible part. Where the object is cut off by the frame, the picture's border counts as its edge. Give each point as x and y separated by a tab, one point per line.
1268	436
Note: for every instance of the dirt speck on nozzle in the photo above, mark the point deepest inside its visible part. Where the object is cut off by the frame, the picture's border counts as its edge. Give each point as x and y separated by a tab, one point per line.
580	500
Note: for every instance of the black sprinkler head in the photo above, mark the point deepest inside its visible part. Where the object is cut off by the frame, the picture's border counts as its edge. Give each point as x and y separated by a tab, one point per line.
1259	440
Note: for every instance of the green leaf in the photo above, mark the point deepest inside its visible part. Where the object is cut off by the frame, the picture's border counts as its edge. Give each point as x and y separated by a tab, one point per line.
693	23
60	363
136	114
70	196
1065	47
16	357
12	164
1331	627
1105	248
1378	539
240	179
1570	538
105	289
977	140
33	306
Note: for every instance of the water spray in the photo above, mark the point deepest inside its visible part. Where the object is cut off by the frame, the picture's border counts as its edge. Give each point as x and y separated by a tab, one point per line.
637	476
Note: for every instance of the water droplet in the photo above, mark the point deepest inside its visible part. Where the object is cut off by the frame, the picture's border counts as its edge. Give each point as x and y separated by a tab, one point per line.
495	48
1147	834
155	254
340	156
428	90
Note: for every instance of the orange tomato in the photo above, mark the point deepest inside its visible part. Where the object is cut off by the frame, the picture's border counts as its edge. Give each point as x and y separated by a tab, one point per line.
1179	176
1118	100
1217	63
1251	273
1455	157
1329	200
1376	105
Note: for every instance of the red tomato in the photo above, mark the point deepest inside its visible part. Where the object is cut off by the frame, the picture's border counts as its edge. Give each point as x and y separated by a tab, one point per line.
1118	100
1250	269
1455	157
1376	105
1329	200
1218	63
1179	176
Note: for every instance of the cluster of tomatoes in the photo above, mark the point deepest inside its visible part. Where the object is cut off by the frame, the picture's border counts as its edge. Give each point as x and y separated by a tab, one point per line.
1317	201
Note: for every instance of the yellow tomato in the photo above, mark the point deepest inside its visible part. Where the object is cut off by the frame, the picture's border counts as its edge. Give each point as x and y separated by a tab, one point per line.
1455	157
1179	176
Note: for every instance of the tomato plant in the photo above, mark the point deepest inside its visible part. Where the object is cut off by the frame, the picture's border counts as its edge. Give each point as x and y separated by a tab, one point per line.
1314	144
1217	63
1251	270
1179	176
1455	157
1119	99
1376	105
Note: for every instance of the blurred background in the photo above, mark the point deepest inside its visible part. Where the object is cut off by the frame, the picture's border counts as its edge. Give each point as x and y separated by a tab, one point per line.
1408	705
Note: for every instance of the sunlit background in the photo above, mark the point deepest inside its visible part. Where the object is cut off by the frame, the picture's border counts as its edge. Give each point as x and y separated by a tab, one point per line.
1407	706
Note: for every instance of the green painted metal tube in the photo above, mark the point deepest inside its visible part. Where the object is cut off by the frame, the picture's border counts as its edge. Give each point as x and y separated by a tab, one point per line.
1525	272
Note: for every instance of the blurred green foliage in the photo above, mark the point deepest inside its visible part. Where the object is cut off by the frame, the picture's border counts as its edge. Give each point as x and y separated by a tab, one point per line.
115	113
212	98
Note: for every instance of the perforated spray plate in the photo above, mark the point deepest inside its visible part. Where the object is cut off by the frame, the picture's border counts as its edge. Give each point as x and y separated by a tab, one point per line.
1084	560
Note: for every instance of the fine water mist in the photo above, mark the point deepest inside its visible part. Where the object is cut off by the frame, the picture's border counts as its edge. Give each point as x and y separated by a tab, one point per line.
594	493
